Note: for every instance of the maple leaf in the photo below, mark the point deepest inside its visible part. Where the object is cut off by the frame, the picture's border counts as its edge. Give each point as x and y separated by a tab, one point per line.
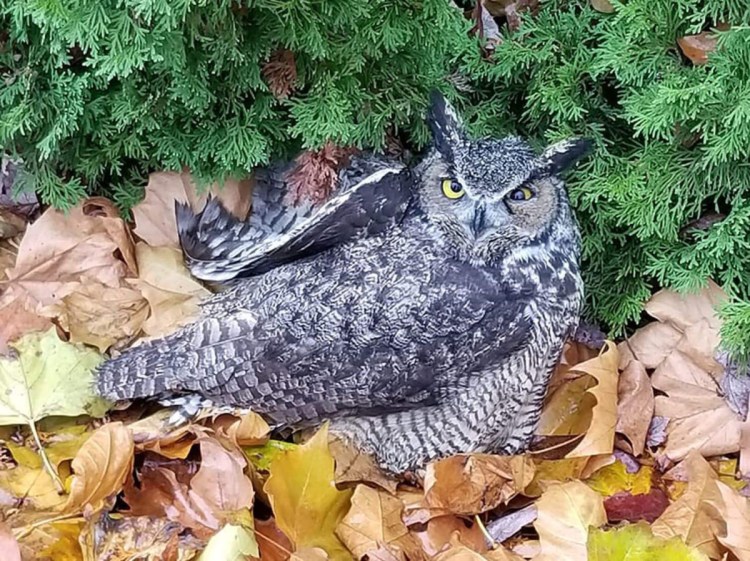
234	542
280	73
636	543
49	377
315	174
304	498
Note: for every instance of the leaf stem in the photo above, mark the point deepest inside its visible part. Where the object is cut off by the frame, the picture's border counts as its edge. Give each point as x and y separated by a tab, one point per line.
491	543
23	531
45	460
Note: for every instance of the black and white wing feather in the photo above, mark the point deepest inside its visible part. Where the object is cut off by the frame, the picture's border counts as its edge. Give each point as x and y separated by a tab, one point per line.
218	247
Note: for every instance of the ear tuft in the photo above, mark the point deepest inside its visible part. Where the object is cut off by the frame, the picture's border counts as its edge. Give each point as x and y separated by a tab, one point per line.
445	124
559	156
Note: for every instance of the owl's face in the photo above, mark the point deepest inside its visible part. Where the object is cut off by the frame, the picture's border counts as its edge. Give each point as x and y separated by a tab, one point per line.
487	196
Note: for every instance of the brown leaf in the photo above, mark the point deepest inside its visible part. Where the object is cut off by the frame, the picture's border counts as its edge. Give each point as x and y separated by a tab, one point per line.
155	433
100	315
462	553
142	538
565	513
172	293
355	466
280	73
735	511
272	542
100	468
221	481
373	522
219	488
444	531
698	47
8	544
155	218
248	430
58	253
699	418
315	175
603	6
471	484
690	517
635	405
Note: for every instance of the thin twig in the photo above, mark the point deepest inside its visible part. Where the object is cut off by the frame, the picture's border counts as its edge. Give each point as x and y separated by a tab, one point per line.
45	460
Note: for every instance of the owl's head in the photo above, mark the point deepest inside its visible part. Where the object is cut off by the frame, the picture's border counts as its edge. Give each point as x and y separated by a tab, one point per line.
486	197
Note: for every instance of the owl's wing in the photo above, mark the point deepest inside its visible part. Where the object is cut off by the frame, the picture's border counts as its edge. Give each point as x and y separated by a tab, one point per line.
219	247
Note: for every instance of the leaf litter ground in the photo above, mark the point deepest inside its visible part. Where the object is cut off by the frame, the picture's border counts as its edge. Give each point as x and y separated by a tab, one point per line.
639	456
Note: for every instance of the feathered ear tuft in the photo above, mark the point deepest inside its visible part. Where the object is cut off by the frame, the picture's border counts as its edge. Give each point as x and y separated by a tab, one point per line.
559	156
445	124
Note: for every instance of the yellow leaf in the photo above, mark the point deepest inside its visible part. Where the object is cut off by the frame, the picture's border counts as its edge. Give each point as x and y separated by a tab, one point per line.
231	543
32	485
565	513
304	498
49	377
101	467
615	478
636	543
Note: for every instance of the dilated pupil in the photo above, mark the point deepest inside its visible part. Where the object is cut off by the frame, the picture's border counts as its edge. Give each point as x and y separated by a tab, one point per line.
518	195
456	187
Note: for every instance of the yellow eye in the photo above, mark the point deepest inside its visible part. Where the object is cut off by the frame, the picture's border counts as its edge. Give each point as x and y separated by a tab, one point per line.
520	194
452	189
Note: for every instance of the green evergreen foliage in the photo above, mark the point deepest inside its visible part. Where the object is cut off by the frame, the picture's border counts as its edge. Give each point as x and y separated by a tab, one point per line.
96	93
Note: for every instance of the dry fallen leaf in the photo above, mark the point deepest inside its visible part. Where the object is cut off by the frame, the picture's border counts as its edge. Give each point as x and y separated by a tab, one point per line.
603	6
272	542
636	543
355	466
472	484
735	512
155	215
234	542
304	498
565	513
49	377
462	553
172	293
635	405
100	468
698	47
690	517
33	488
248	430
221	481
8	544
100	315
373	522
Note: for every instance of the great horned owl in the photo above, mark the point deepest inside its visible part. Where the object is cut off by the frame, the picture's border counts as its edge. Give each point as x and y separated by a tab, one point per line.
421	309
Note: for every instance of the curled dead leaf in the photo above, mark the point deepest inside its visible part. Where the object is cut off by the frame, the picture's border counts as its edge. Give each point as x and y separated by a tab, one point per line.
100	468
635	405
471	484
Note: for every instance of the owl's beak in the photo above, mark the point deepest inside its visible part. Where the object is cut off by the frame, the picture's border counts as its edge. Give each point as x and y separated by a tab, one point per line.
478	221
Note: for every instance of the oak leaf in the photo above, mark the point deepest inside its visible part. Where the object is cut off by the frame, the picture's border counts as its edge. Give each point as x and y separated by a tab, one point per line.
304	498
565	513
